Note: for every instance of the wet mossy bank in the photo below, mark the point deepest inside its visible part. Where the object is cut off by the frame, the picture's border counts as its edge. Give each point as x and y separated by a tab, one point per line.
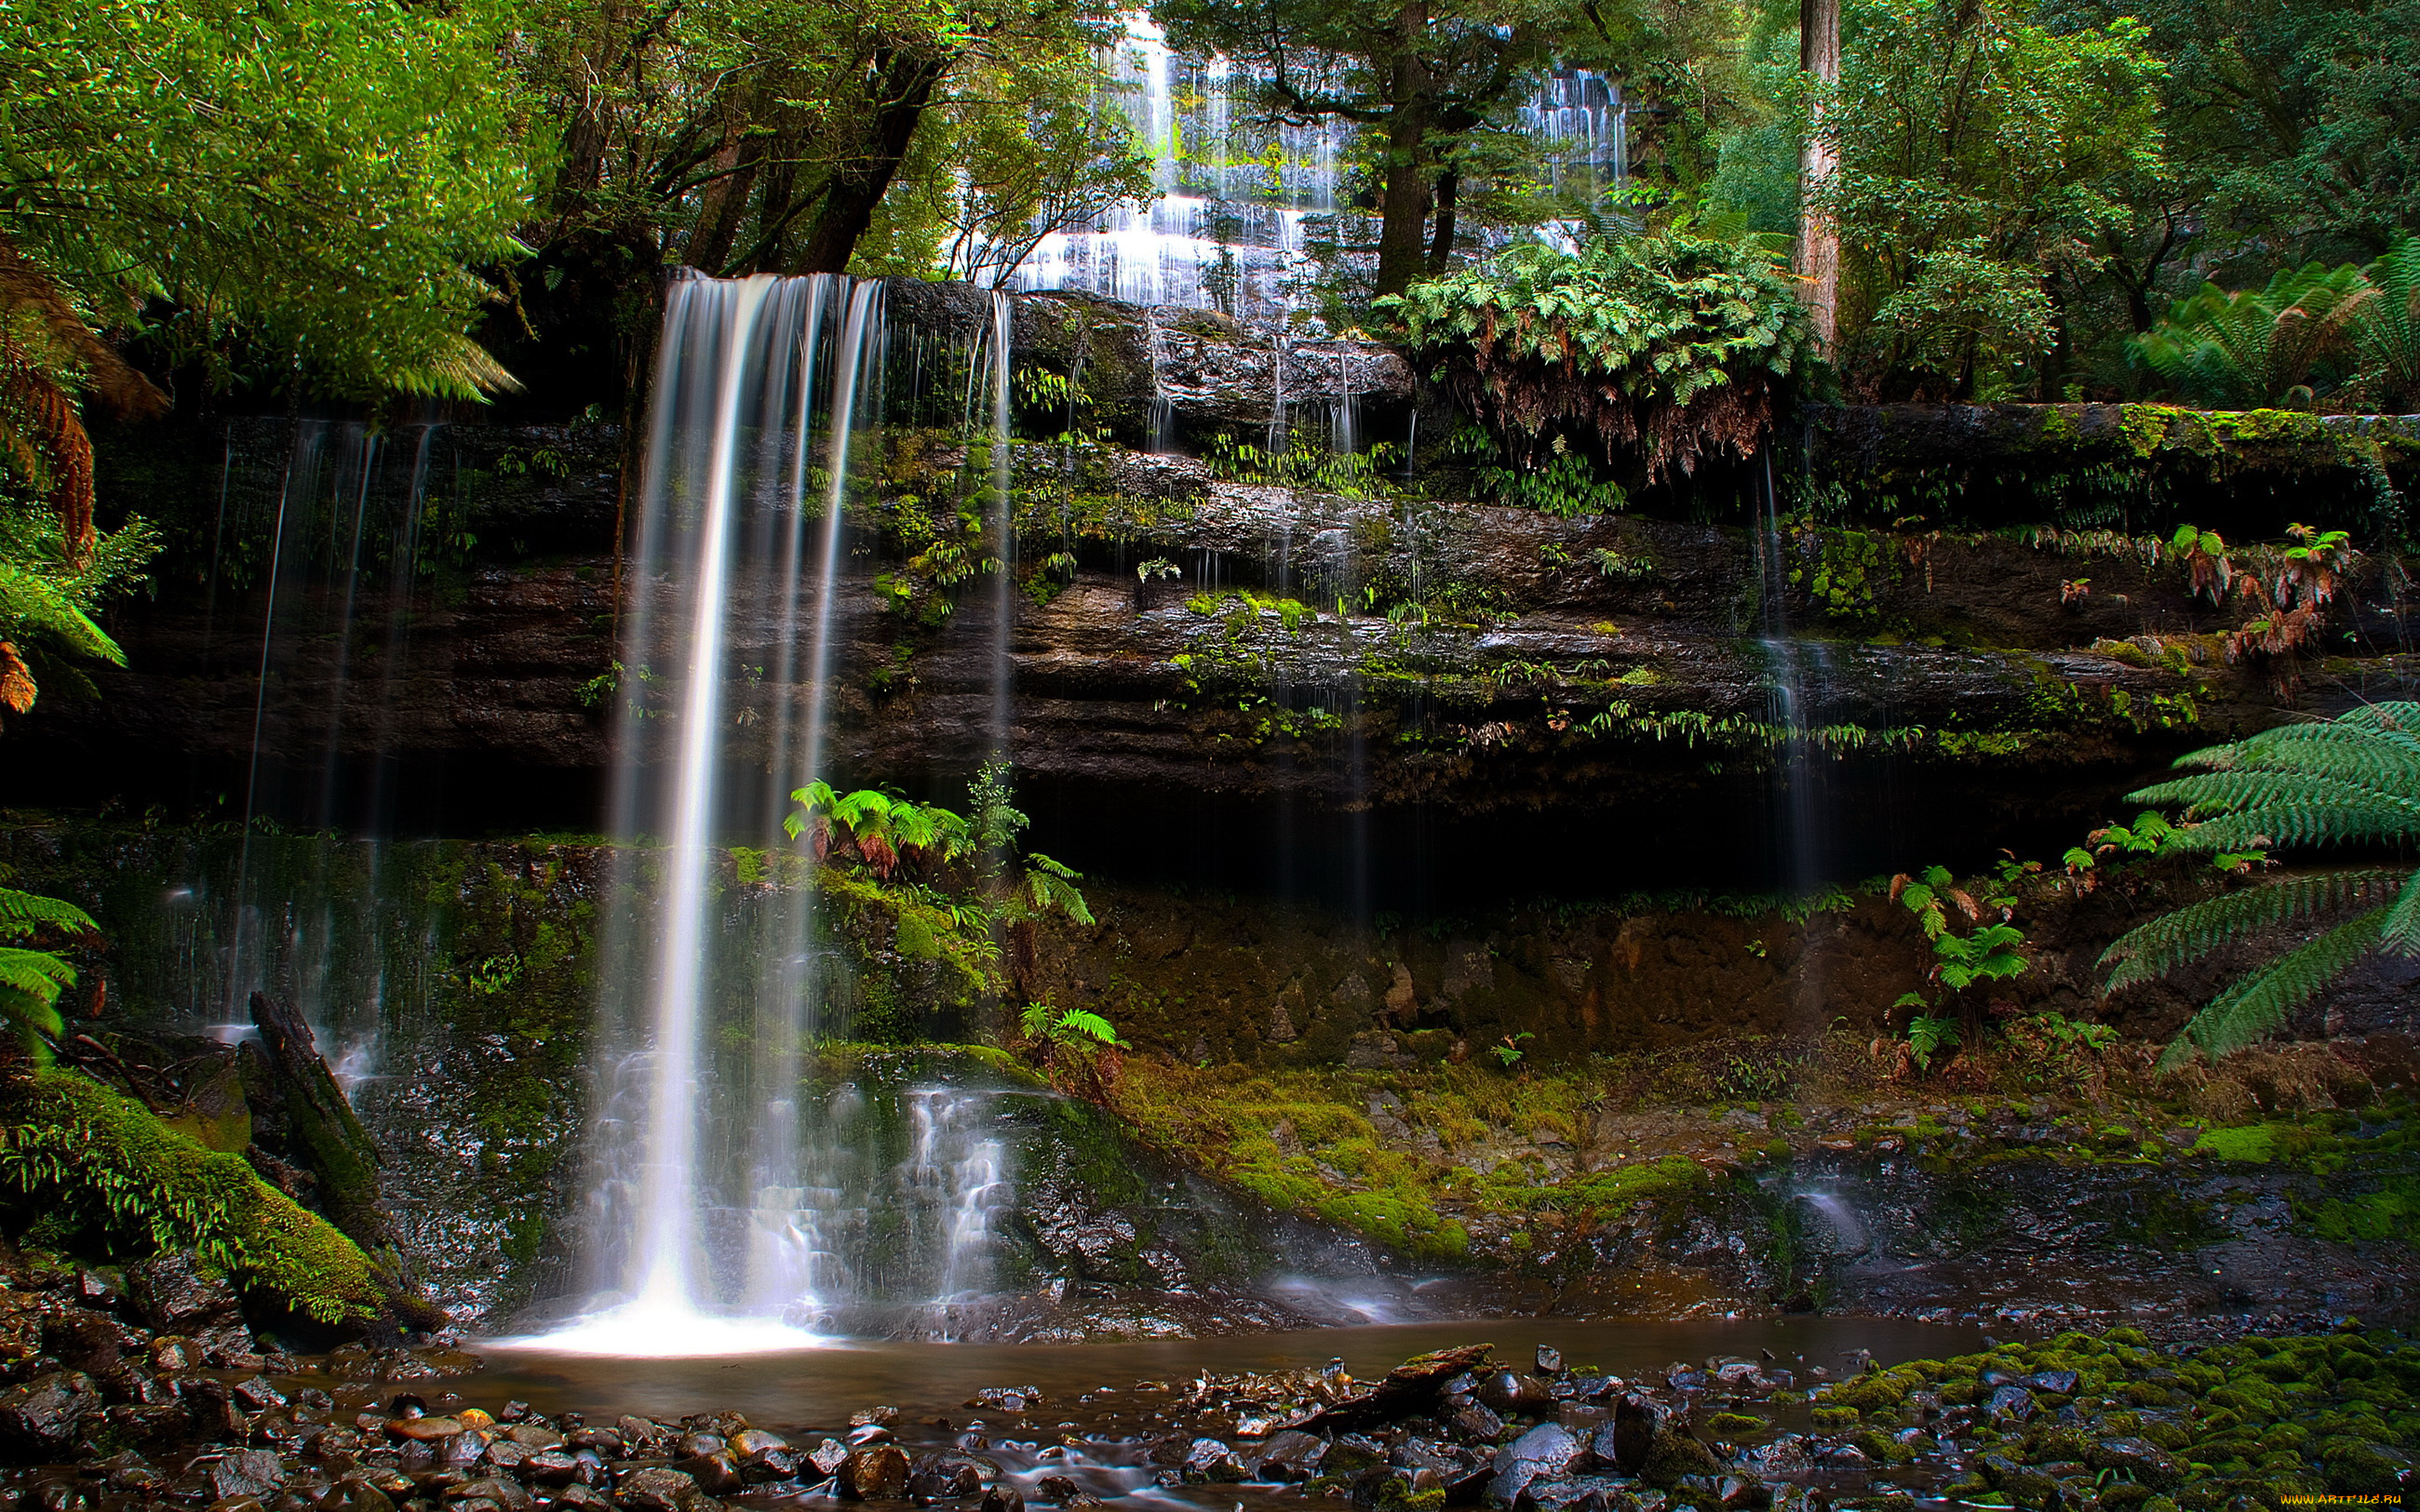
1189	626
1677	1090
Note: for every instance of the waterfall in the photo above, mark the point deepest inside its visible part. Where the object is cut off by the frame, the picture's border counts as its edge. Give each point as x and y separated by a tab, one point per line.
736	1203
1793	668
1231	191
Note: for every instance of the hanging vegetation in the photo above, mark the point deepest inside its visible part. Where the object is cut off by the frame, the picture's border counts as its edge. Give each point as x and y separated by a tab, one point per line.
1673	343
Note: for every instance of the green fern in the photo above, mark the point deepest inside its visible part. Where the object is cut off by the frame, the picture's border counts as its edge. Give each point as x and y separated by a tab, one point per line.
2257	348
31	981
2192	931
2351	780
2254	1007
2386	332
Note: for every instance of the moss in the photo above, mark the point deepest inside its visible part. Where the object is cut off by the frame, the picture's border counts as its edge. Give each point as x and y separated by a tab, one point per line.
2252	1144
131	1181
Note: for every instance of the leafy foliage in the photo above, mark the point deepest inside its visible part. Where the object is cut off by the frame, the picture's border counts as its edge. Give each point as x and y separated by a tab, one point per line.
2352	780
1978	148
32	980
316	179
2386	329
1672	341
2255	350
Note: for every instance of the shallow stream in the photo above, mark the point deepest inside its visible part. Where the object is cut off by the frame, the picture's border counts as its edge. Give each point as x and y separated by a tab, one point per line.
820	1388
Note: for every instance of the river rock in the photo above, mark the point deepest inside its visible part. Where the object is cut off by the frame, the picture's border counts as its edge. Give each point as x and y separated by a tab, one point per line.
2021	1483
246	1473
1002	1499
2013	1403
1509	1392
749	1442
424	1430
41	1417
1211	1461
716	1474
656	1489
2058	1382
777	1463
1411	1387
1652	1440
502	1491
945	1477
171	1294
827	1457
1289	1455
874	1471
2141	1459
1542	1453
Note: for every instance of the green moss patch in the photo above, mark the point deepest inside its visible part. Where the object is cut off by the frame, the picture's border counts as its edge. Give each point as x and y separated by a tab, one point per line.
104	1167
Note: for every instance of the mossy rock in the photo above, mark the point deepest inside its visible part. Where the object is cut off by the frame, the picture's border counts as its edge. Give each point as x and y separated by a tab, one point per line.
127	1184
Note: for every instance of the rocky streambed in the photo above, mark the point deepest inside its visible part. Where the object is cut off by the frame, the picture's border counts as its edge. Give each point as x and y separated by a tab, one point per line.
146	1388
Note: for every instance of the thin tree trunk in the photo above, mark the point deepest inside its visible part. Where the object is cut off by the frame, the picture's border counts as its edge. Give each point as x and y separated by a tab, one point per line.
1441	241
726	204
905	82
1403	239
1818	258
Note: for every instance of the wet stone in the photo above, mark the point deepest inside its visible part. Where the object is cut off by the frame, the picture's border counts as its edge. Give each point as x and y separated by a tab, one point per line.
257	1394
774	1464
1476	1422
827	1457
246	1473
1002	1499
716	1474
874	1473
1290	1454
40	1416
656	1490
502	1491
1211	1461
2145	1462
2012	1402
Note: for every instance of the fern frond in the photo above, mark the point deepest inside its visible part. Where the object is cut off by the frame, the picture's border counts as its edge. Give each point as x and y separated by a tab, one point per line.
21	913
2165	943
37	974
2252	1009
30	604
458	368
2307	823
2400	931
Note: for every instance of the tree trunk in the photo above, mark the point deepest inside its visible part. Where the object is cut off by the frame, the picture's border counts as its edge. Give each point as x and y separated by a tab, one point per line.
725	206
1818	239
323	1134
1449	187
903	86
1403	240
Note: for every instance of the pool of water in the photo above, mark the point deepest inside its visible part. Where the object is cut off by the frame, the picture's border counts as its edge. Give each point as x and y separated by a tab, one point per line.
818	1388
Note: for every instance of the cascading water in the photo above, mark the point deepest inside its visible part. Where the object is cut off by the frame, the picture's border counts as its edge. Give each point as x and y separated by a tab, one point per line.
1237	200
736	1202
1795	667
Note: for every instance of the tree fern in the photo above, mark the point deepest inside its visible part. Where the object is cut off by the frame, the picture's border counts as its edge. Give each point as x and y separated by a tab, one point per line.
2386	332
2192	931
31	981
2251	1011
2351	780
23	912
